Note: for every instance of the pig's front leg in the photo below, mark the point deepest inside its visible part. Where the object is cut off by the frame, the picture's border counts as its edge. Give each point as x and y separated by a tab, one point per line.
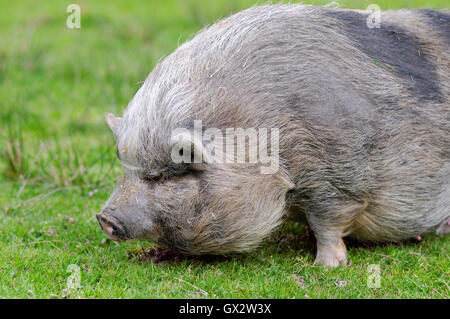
331	251
330	223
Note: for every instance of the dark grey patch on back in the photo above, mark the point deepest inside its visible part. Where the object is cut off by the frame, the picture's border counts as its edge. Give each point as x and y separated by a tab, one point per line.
438	20
393	48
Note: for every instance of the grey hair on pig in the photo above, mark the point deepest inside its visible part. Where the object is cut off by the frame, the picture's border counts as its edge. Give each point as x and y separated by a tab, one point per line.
364	124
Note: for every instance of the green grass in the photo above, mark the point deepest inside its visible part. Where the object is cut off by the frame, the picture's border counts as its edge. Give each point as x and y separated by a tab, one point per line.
58	166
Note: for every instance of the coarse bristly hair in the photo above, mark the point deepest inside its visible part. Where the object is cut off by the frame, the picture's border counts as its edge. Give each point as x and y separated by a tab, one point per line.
364	120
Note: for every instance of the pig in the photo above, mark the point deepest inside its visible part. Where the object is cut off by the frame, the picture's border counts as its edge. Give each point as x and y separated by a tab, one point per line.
363	119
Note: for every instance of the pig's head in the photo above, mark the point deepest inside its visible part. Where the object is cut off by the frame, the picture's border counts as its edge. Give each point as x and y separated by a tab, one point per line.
193	208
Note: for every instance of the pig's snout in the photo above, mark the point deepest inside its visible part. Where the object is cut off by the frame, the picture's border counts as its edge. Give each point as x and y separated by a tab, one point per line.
111	226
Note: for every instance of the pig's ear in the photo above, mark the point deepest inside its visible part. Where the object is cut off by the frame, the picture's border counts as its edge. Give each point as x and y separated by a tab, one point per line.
113	122
185	148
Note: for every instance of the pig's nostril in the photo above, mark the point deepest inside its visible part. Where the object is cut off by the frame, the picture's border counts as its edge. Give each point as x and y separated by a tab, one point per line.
111	226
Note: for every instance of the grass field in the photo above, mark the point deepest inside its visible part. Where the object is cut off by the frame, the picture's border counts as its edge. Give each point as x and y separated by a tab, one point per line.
58	166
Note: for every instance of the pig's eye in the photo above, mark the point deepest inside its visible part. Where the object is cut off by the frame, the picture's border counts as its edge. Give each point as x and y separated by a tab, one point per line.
153	177
162	176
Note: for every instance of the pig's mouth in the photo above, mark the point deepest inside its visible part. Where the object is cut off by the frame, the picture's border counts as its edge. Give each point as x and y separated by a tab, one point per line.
112	227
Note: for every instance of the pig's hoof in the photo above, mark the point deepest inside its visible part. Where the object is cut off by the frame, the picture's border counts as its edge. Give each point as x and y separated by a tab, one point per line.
444	228
331	257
